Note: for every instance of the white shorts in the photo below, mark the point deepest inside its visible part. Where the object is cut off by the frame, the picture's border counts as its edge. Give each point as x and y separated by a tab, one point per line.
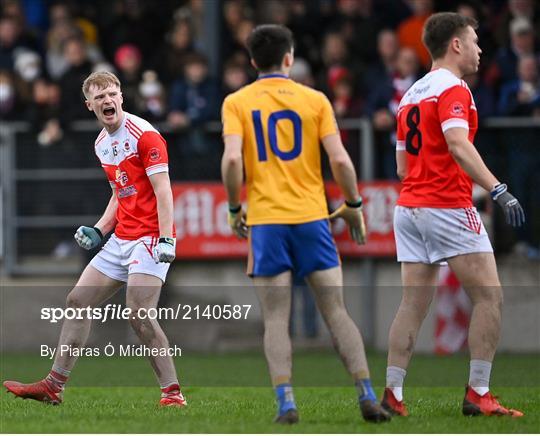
432	235
119	257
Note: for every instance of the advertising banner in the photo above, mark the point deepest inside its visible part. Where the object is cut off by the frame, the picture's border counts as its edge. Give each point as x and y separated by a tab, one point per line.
200	213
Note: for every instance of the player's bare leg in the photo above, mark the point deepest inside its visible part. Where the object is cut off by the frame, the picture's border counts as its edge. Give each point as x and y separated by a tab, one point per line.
419	284
327	286
327	289
143	293
92	289
477	272
275	297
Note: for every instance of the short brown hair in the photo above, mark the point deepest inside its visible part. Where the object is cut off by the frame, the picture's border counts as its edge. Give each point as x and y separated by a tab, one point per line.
100	79
440	28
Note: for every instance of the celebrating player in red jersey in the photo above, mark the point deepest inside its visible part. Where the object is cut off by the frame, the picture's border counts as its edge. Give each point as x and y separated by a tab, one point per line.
435	220
139	252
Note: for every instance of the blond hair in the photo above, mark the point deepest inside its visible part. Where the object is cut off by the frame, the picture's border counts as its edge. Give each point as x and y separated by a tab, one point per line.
101	80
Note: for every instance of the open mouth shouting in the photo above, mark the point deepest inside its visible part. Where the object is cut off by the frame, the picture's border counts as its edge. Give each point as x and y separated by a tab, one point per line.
109	113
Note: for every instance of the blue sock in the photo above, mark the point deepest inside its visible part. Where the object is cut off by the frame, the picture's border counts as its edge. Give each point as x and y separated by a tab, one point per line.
364	389
285	398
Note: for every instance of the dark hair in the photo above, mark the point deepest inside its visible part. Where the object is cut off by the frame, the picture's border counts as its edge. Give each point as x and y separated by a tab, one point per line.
440	28
267	44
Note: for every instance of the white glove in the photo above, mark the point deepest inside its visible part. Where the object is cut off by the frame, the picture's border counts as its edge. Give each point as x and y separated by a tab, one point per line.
88	237
165	250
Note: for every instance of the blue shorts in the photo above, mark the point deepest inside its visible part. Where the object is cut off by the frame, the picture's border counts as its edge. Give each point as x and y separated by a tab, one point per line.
302	248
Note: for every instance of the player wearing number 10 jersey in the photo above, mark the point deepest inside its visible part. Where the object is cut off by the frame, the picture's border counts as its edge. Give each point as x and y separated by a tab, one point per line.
273	128
435	220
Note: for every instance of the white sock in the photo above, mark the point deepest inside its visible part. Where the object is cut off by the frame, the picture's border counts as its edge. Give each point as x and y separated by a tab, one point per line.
479	376
394	381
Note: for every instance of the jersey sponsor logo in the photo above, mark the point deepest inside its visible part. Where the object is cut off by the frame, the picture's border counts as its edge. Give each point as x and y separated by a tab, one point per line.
127	191
154	154
457	109
121	177
420	90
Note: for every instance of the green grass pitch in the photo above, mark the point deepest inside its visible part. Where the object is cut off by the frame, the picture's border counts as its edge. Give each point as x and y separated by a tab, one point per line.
230	393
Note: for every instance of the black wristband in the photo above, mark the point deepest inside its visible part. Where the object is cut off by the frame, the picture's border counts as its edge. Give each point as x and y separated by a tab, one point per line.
354	204
235	209
169	241
98	232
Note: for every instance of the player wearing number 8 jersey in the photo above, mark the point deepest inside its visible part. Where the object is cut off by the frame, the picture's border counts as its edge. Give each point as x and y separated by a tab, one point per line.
435	220
438	102
273	129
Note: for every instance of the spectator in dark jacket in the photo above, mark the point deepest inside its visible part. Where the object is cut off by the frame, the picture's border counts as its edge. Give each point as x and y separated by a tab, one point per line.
71	103
382	70
507	58
521	97
170	58
382	106
11	39
194	100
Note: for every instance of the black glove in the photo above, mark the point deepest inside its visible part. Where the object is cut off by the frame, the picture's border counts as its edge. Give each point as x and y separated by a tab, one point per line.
512	209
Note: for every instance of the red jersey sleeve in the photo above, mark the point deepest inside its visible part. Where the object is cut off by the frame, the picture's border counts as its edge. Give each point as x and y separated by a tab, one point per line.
454	106
152	149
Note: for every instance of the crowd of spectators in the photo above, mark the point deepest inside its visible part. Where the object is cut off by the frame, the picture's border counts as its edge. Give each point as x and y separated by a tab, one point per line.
363	54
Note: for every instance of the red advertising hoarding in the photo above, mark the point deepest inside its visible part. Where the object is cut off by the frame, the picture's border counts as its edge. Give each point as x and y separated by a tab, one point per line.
200	215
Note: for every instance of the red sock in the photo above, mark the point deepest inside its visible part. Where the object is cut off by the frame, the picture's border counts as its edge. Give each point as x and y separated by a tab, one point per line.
171	389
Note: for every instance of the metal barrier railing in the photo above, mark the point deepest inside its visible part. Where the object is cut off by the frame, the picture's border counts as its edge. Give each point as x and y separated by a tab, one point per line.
14	221
12	177
16	175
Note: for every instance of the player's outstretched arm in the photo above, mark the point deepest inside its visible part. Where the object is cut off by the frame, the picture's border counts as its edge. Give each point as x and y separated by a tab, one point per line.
165	250
90	237
232	176
466	155
345	176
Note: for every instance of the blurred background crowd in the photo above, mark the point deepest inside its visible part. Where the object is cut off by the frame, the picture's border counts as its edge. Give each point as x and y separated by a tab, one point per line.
364	54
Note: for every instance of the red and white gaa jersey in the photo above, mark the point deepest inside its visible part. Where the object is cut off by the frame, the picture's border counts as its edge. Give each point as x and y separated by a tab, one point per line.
129	156
437	102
